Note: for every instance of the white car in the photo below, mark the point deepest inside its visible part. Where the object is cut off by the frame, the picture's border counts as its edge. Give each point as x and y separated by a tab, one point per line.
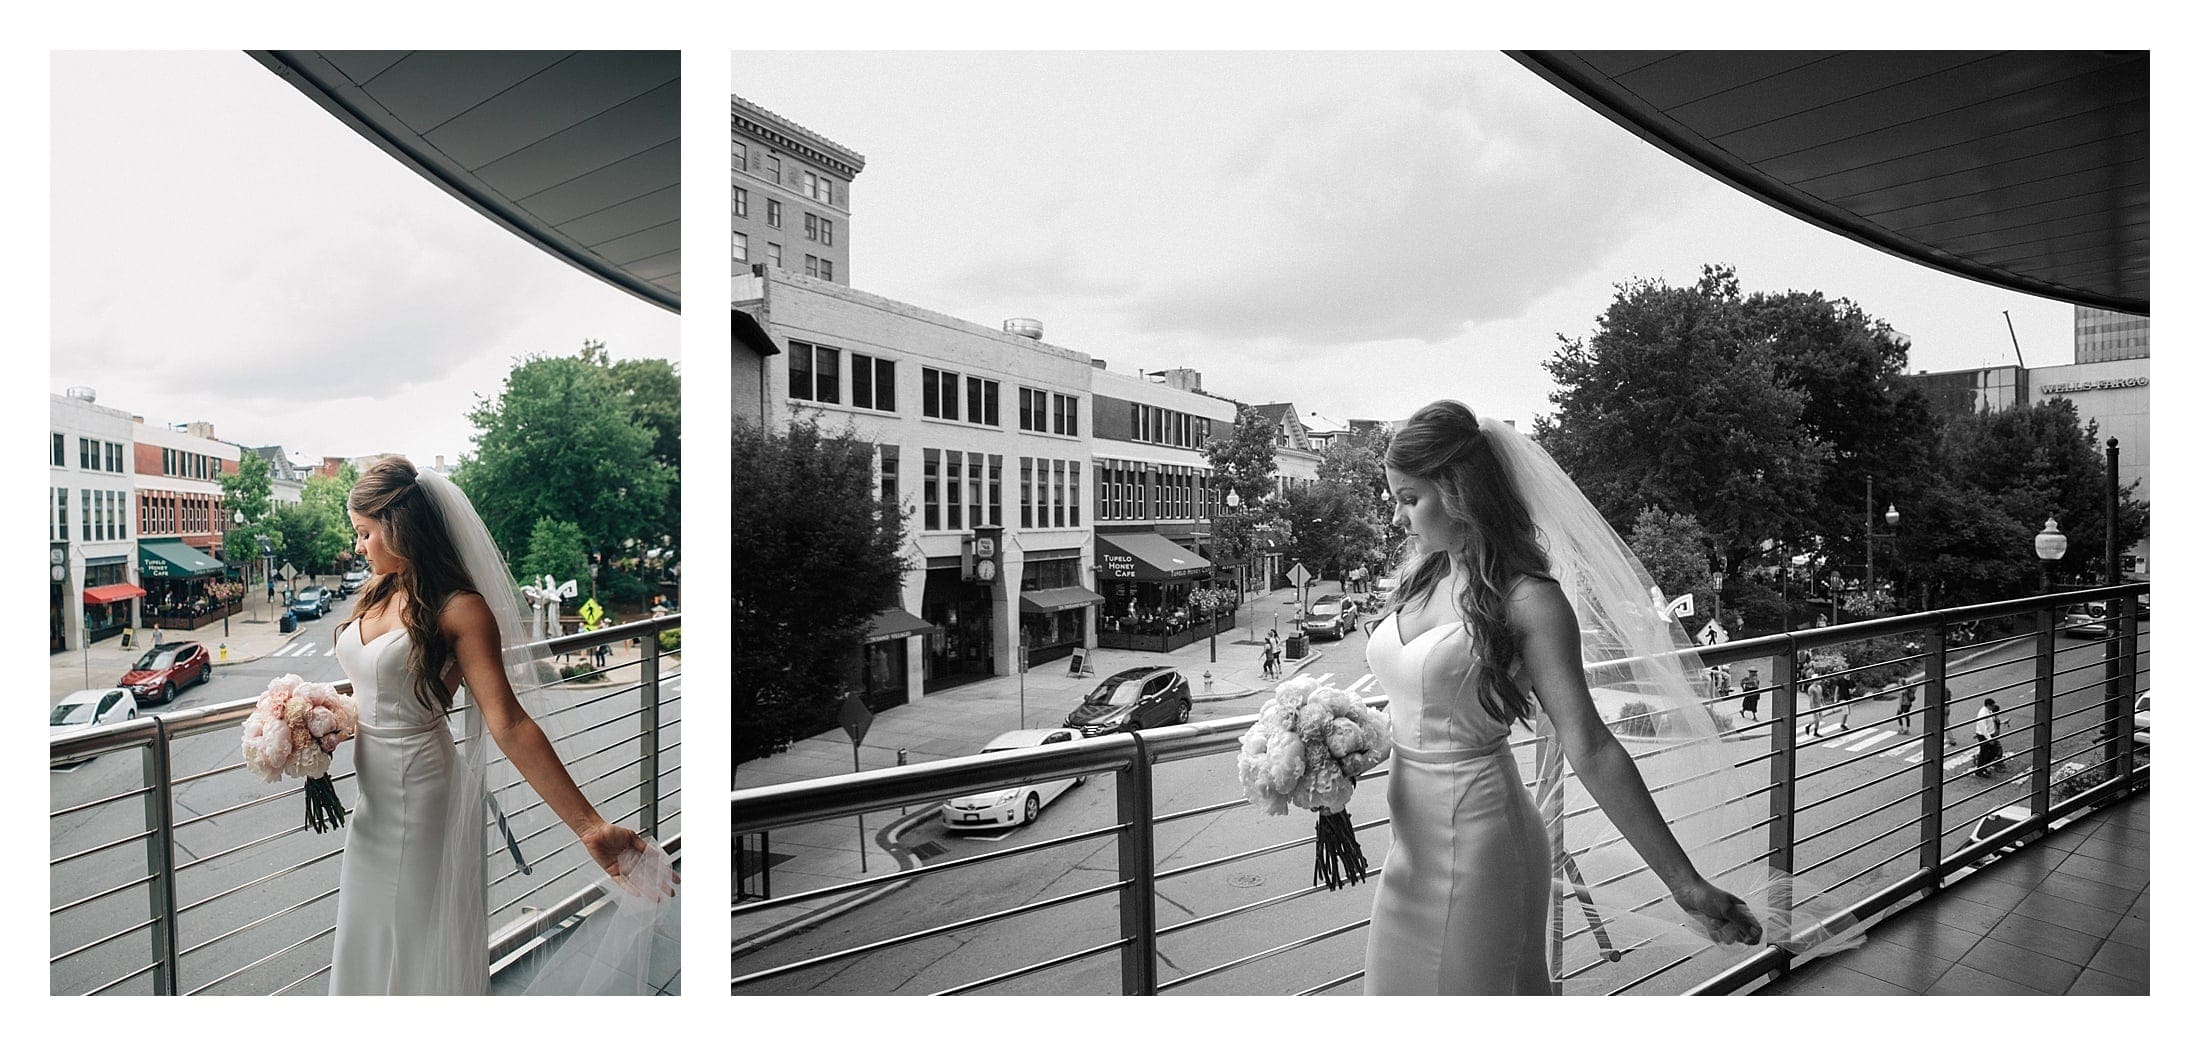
2144	717
86	709
1009	806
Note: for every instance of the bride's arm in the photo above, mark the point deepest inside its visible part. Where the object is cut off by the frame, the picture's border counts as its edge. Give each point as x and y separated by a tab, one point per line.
1551	655
470	625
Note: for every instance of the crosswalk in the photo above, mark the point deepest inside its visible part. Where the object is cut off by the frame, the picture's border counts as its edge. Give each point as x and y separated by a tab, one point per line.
303	648
1364	686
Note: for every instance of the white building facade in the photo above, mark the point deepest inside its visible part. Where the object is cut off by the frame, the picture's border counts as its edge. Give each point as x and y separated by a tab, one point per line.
2116	394
92	565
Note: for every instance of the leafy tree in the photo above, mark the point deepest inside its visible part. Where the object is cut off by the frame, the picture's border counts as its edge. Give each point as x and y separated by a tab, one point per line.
308	540
818	554
1243	462
249	491
1331	528
557	548
1676	551
561	441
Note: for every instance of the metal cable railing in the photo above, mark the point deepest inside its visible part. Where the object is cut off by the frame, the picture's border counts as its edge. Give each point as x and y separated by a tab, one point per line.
187	863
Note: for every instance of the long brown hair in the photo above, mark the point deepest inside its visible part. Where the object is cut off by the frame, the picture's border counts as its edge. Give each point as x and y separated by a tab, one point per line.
414	532
1443	446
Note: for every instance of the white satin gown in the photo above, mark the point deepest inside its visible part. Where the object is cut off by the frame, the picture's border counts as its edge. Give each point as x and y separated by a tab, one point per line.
1462	904
399	929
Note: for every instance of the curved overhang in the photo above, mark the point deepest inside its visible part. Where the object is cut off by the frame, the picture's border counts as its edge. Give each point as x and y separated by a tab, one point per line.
577	152
2026	170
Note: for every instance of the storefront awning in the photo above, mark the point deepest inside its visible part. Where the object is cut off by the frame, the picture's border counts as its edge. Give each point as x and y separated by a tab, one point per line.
174	559
101	595
1147	557
1049	600
896	623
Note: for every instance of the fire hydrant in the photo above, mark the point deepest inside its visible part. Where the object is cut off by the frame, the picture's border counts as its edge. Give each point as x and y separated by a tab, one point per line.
1209	676
225	651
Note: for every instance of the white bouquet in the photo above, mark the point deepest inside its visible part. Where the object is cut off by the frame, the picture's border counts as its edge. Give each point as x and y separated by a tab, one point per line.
1308	750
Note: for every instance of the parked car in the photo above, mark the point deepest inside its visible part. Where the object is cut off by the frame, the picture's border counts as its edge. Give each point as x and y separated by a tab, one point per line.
1009	806
310	601
1134	699
354	580
1331	616
85	709
2143	715
1386	588
165	669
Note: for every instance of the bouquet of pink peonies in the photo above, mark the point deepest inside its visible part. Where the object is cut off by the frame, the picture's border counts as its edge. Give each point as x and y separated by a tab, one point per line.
1308	749
293	732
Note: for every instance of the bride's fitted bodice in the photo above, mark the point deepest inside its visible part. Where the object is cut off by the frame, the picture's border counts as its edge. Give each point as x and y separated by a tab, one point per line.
382	683
1431	709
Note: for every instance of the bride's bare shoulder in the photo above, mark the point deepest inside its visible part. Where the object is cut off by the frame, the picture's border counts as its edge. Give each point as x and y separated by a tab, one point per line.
465	613
1536	601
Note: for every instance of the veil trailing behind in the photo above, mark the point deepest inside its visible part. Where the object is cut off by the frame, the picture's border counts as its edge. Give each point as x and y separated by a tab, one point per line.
1651	689
512	847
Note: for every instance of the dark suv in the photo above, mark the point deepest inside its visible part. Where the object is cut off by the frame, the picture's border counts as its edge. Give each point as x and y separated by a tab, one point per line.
166	669
1134	699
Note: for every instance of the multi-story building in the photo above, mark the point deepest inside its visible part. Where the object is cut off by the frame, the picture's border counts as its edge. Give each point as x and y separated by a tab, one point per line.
285	478
180	518
790	195
1154	509
1980	390
979	434
1296	456
91	564
2101	336
2114	393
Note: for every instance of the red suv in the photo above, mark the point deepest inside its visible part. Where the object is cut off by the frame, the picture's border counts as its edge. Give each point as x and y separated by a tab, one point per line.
166	669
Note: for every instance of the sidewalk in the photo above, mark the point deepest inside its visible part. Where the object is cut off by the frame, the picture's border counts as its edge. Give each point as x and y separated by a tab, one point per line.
105	661
958	722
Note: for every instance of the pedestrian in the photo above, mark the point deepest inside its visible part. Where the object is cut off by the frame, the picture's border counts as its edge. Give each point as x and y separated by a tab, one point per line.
1271	658
1844	691
1986	730
1749	696
1903	701
156	635
1816	692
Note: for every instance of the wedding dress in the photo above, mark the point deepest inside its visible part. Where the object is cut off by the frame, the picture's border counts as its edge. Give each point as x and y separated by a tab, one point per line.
401	929
1461	906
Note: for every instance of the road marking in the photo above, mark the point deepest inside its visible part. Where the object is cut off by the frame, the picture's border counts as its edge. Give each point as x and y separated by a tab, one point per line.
284	652
1358	683
1909	749
303	649
1870	739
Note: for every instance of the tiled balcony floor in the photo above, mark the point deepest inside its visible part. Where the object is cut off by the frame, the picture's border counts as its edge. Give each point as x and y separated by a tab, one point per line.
2064	915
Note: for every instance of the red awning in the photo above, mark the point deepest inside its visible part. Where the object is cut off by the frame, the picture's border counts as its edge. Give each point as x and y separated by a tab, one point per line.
100	595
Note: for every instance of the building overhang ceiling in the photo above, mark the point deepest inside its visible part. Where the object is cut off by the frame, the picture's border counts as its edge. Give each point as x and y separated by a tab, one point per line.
2026	170
578	152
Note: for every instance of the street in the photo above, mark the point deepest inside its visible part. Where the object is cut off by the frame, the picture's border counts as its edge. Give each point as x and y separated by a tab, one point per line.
251	882
1853	797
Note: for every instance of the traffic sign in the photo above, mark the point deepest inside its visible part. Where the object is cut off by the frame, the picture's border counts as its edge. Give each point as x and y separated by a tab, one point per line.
1298	575
855	718
289	571
591	612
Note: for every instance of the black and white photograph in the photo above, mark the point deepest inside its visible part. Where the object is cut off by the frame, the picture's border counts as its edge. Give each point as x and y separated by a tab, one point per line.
1647	523
365	523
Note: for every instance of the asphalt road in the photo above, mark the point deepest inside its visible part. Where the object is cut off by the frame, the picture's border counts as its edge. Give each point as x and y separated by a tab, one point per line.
1857	820
251	882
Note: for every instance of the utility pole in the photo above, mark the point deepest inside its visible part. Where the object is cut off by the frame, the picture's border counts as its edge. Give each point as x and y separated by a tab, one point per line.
2013	336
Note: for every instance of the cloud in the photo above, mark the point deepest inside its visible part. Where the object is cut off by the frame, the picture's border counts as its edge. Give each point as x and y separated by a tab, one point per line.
1408	209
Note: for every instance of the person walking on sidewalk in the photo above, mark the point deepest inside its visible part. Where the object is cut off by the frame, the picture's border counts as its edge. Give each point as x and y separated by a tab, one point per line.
1903	701
1986	730
1749	696
1271	657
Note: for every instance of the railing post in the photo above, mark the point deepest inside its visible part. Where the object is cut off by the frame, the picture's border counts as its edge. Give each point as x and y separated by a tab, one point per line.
1936	751
1135	861
2043	709
2127	673
650	740
2114	711
1783	786
160	859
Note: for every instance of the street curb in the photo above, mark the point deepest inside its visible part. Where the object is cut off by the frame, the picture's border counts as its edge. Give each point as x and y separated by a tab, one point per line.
1295	666
889	839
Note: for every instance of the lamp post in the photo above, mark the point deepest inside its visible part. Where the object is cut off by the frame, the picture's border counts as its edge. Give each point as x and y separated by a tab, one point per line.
1894	519
2049	544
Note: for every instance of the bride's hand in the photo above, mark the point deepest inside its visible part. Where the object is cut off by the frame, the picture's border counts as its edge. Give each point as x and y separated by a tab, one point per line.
607	843
1719	915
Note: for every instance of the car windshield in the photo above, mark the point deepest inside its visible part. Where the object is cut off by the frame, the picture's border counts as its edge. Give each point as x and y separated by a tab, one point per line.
71	715
155	660
1121	684
1328	605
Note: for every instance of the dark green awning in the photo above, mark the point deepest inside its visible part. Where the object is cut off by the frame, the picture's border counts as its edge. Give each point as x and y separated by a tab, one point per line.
896	623
171	558
1048	600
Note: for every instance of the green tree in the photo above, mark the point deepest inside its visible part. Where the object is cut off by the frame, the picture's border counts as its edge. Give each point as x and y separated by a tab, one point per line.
818	554
1242	462
557	548
309	542
1676	552
561	441
248	491
1331	530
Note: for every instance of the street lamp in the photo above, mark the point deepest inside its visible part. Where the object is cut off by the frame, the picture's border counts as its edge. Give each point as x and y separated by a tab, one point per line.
1894	519
2049	544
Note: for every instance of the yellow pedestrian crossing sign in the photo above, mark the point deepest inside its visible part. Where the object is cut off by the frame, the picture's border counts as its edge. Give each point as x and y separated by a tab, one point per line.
591	612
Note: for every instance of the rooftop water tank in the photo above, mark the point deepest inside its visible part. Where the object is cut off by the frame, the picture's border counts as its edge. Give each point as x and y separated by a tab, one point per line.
1024	327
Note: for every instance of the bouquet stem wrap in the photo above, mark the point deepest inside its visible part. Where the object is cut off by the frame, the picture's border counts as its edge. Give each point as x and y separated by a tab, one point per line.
1338	859
323	810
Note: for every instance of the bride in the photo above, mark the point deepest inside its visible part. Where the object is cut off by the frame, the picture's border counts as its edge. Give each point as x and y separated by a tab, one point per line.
411	912
1484	634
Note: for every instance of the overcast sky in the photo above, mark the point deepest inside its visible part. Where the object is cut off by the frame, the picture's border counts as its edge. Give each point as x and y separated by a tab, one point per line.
225	250
1355	233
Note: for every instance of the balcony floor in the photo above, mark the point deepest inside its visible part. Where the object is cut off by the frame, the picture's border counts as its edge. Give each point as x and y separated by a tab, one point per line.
2066	914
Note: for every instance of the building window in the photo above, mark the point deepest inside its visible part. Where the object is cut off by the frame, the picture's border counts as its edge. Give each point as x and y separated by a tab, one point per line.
114	458
872	382
86	519
939	394
1026	501
985	401
771	250
931	489
1061	420
809	226
771	167
740	156
954	490
825	231
825	269
813	372
1069	413
1076	493
889	476
1023	409
772	213
809	265
1046	489
87	458
741	247
993	487
740	202
60	452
